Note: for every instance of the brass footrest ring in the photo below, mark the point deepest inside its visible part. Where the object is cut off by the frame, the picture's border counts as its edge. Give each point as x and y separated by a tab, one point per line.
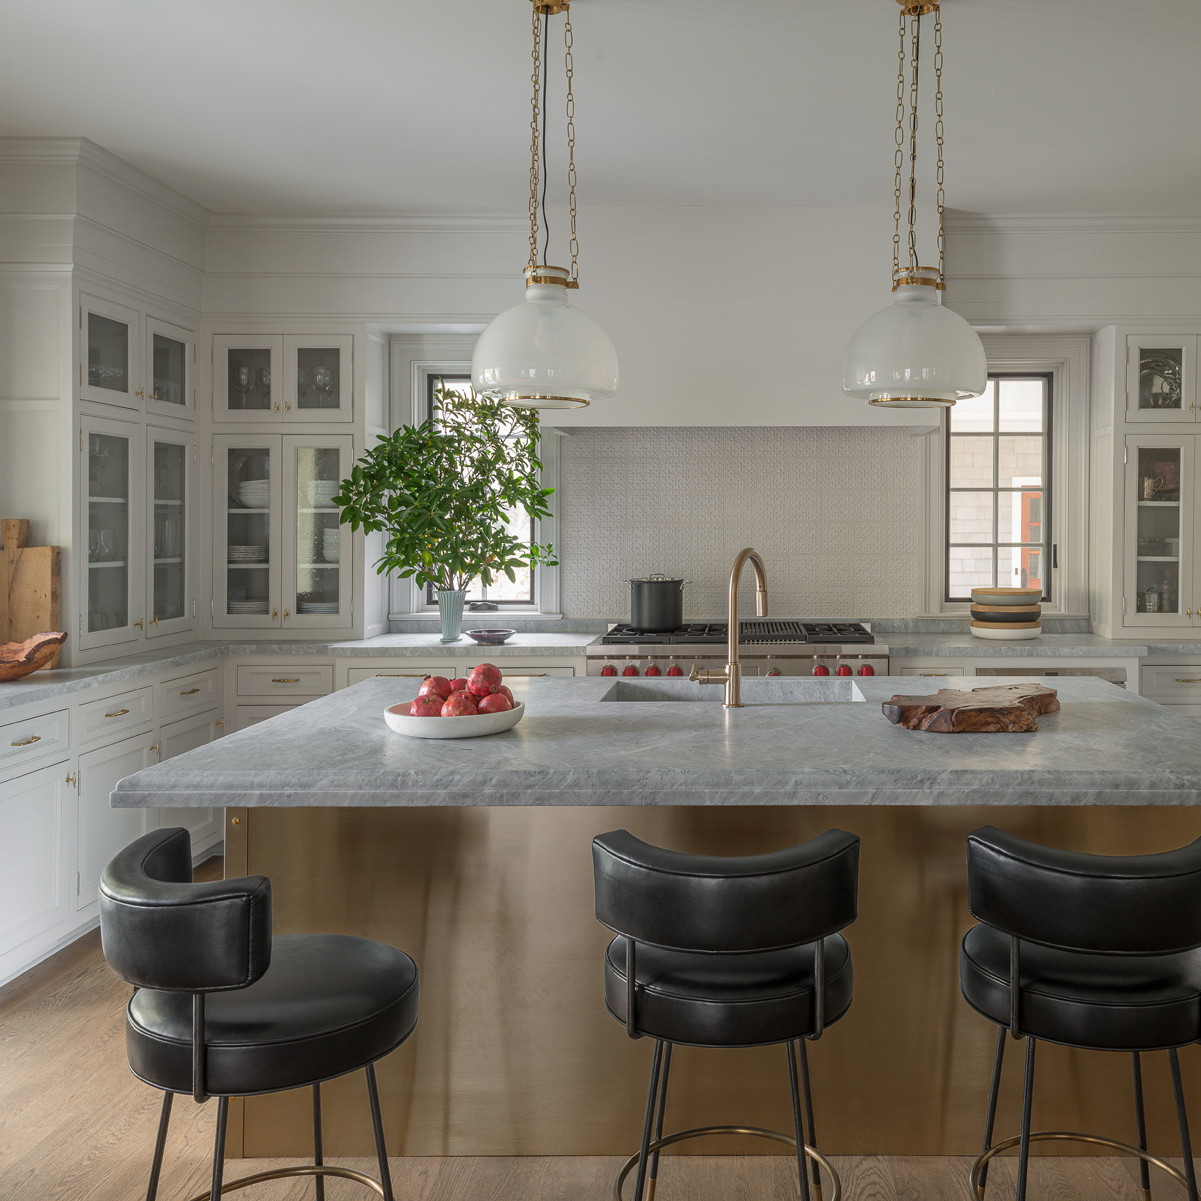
311	1169
1068	1136
755	1131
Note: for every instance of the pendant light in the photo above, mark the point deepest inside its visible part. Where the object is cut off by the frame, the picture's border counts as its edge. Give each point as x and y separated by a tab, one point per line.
915	354
545	353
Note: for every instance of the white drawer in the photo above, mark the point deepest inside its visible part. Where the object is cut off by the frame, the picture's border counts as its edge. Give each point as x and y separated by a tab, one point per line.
116	716
403	672
909	669
187	694
309	679
1178	685
33	740
251	715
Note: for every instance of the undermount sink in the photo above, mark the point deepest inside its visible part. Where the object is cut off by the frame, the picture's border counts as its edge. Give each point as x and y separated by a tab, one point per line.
782	690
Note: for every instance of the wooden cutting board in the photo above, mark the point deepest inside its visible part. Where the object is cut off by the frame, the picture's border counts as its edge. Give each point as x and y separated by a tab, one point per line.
30	595
1005	708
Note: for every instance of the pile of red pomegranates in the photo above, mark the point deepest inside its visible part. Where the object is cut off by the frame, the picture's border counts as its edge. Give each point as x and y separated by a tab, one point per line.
480	691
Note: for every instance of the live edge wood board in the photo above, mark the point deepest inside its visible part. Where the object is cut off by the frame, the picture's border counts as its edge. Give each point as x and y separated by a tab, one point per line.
1008	709
514	1053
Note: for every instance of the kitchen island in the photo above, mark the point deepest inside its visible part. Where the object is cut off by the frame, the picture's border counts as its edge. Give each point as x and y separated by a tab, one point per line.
474	856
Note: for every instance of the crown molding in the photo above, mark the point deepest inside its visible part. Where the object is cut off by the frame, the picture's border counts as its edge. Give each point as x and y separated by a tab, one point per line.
401	223
983	223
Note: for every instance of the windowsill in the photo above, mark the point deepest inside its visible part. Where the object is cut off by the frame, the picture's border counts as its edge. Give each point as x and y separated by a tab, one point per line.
426	616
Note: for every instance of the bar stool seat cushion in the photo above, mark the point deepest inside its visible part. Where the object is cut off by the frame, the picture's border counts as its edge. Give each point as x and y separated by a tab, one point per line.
1110	1002
327	1005
728	1000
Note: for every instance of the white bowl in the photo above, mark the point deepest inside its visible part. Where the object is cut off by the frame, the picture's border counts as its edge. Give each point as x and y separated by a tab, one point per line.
1005	635
398	719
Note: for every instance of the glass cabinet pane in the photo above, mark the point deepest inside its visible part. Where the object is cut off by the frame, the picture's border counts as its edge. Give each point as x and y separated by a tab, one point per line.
249	379
318	537
248	543
1161	377
108	353
108	532
1157	530
169	549
318	377
168	364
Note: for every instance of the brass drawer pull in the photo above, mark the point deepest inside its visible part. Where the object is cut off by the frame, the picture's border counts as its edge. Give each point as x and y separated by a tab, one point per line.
27	741
189	692
1180	681
523	675
933	673
117	713
398	675
291	680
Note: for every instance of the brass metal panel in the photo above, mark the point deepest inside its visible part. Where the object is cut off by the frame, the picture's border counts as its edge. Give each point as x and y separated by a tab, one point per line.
514	1053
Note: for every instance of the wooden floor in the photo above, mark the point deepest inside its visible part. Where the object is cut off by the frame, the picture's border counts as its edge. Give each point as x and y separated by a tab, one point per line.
76	1126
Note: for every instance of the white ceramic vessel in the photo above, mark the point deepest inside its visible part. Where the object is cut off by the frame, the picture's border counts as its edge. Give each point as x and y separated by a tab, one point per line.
398	719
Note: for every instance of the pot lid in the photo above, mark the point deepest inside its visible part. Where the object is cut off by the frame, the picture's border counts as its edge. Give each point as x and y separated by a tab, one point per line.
657	578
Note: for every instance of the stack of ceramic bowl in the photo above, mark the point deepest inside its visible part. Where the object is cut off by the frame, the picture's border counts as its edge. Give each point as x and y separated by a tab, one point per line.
331	544
1007	614
321	493
255	494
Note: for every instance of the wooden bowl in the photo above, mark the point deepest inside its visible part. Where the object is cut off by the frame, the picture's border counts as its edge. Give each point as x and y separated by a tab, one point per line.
18	659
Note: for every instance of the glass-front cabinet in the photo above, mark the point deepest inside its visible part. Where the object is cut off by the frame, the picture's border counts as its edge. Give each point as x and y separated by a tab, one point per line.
275	377
109	349
281	558
1161	585
1161	378
171	600
169	369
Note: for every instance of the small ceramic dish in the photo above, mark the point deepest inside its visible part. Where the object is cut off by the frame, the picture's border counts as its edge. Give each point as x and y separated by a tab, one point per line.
490	637
1007	596
398	719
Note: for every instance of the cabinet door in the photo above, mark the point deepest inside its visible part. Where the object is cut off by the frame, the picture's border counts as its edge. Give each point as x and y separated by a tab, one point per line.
33	854
1161	378
204	825
101	831
171	602
170	362
246	377
1160	559
247	538
109	353
318	377
113	524
317	549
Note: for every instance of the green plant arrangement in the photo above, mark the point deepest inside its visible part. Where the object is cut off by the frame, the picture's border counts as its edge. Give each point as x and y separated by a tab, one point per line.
442	494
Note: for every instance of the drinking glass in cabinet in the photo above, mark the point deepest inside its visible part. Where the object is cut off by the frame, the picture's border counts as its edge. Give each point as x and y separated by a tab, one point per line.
108	353
249	378
317	377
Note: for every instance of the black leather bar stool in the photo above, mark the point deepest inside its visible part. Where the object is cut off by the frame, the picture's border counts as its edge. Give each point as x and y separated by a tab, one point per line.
222	1009
727	952
1106	951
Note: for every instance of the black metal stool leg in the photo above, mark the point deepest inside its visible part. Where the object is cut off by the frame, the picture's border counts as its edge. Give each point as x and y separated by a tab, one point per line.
1186	1145
809	1118
652	1095
377	1123
160	1145
318	1156
219	1149
994	1091
657	1134
1027	1106
797	1129
1140	1117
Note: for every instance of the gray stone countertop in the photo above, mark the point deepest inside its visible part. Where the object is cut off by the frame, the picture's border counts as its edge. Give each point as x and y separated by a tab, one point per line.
430	644
1045	646
577	744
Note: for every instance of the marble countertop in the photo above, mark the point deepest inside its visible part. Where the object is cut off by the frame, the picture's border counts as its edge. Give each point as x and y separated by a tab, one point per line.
579	745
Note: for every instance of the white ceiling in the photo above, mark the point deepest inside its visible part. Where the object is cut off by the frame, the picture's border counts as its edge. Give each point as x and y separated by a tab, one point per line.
358	107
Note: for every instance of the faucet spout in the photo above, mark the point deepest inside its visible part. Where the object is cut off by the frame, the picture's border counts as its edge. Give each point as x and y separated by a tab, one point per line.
734	665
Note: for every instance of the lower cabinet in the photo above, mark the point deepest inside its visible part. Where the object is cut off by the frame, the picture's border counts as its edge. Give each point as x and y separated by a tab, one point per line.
1174	685
204	825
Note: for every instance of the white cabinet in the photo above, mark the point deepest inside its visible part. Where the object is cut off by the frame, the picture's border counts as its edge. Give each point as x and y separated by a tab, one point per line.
1161	378
281	558
283	377
204	825
414	670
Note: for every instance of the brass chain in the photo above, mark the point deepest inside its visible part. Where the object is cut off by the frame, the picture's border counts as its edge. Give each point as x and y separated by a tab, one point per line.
569	68
914	67
899	156
940	199
535	131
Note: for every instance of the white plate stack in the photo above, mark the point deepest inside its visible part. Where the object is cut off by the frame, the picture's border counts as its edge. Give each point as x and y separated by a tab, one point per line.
331	544
319	493
255	494
246	606
248	554
316	606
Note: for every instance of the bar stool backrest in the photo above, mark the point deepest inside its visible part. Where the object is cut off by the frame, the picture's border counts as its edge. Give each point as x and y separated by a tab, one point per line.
160	930
1116	904
726	904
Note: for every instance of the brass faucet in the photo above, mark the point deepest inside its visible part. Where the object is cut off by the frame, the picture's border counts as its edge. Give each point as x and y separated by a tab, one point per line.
732	676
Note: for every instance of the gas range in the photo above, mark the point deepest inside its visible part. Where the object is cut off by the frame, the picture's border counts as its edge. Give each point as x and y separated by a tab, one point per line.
767	647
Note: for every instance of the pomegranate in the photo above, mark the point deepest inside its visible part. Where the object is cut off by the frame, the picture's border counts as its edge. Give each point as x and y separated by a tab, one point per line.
435	686
484	680
459	704
496	703
458	684
427	705
504	691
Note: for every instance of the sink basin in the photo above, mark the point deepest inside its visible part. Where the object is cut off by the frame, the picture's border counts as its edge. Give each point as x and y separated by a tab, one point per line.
785	690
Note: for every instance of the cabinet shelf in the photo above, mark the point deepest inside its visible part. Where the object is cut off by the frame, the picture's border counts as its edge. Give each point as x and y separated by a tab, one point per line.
249	510
108	500
107	563
319	566
1159	504
175	559
159	501
1158	558
248	566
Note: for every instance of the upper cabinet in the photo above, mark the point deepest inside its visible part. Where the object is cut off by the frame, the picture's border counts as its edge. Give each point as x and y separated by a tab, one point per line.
135	360
268	378
1161	378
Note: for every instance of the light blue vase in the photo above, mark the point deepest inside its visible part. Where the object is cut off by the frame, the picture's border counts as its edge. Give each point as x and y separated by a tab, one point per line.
450	610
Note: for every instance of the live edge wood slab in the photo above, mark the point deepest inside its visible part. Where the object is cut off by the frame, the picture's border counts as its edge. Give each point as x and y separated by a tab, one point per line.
1004	709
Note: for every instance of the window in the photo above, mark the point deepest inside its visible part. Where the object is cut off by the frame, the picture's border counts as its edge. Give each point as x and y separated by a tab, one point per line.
998	487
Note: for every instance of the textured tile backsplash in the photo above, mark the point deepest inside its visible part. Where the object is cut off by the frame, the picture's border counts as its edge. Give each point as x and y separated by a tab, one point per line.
836	513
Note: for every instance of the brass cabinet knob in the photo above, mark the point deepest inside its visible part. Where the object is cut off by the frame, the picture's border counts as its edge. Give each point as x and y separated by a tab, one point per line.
70	779
141	392
274	612
139	624
286	615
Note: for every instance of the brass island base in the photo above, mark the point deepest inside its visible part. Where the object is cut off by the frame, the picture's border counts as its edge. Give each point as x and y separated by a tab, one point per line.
514	1053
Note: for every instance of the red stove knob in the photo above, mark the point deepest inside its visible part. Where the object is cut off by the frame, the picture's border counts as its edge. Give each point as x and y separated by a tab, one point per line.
629	670
675	670
775	671
867	670
821	670
843	669
652	670
608	670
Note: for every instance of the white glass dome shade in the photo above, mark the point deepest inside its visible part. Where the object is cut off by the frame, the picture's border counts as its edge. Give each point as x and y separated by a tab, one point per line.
544	353
915	354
